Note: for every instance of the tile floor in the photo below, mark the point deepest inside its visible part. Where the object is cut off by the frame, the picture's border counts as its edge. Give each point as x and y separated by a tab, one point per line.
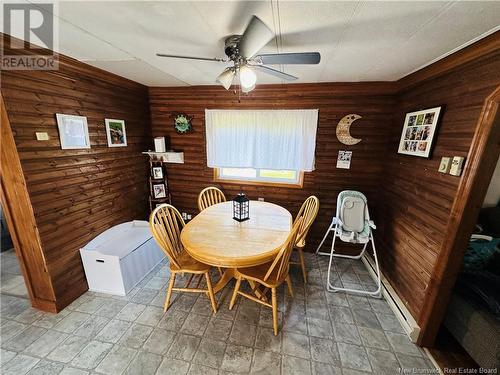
11	279
322	333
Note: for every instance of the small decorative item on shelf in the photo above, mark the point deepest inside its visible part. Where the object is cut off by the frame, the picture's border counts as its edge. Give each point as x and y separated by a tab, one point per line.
160	144
157	173
241	208
159	191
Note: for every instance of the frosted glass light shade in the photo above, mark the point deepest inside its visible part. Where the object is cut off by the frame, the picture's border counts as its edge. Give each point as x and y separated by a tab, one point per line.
247	78
226	78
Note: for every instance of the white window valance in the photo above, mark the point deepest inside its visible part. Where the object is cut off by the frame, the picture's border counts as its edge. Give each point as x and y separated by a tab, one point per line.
269	139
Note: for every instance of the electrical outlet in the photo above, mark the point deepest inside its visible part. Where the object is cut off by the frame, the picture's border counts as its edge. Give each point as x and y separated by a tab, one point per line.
189	216
444	166
42	136
260	199
184	216
456	165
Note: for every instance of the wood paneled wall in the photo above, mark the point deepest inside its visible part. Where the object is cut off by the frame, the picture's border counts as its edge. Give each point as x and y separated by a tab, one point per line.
77	194
410	201
418	199
373	101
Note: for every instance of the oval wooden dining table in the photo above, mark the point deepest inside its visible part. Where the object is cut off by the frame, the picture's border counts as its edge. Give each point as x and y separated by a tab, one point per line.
215	238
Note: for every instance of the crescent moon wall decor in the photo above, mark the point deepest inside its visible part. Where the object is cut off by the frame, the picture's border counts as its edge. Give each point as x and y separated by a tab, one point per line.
343	129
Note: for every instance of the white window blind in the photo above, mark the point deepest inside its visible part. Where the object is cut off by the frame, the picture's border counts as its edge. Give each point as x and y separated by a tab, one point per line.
269	139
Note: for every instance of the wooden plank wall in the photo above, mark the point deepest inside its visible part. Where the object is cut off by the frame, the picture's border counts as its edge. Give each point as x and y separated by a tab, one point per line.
77	194
409	199
373	101
419	198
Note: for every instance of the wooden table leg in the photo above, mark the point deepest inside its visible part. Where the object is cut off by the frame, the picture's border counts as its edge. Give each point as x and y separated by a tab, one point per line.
224	280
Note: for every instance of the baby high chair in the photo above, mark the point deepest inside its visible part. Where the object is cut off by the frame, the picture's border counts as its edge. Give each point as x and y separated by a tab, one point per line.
351	224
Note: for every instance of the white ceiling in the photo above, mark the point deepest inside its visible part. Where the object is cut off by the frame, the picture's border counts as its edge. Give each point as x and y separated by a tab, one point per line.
358	40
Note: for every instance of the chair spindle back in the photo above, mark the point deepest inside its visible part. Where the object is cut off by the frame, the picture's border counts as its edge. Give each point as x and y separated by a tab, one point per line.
166	224
282	260
308	213
210	196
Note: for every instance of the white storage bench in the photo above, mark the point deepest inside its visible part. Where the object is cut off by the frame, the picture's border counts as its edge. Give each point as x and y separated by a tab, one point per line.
120	257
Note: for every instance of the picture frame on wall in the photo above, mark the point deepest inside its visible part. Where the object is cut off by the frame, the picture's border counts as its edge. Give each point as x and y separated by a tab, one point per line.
73	131
344	159
157	173
159	191
419	131
116	133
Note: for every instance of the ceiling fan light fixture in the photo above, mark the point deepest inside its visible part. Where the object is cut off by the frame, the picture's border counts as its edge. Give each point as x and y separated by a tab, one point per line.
247	89
247	78
226	78
241	51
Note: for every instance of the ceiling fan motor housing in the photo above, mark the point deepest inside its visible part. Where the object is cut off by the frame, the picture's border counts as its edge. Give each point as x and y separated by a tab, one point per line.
242	51
231	47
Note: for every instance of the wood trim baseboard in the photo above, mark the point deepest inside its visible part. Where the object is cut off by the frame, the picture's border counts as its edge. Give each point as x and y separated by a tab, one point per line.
403	315
44	305
71	295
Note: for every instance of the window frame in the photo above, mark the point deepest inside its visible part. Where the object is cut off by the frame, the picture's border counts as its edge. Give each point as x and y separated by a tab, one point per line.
298	185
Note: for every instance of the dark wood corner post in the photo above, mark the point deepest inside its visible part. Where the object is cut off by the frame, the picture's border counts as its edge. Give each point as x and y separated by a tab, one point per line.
21	221
479	168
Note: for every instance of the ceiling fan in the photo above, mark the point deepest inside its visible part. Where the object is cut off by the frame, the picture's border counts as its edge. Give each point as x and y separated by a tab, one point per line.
242	51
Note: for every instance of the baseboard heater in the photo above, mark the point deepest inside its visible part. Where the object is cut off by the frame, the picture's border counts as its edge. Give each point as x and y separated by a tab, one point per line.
409	324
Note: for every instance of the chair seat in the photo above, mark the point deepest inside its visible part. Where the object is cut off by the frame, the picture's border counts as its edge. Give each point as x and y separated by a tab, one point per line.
354	237
189	264
257	273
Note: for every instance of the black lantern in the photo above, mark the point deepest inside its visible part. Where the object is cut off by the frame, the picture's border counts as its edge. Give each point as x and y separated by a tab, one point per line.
241	206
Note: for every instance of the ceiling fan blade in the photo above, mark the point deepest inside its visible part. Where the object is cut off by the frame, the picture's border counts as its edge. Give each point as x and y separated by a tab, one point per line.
255	37
274	72
191	57
288	58
226	78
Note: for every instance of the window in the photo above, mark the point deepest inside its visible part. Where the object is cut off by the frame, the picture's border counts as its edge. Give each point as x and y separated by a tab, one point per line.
261	146
260	175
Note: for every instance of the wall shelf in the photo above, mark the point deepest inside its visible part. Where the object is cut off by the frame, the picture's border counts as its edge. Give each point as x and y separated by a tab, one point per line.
166	157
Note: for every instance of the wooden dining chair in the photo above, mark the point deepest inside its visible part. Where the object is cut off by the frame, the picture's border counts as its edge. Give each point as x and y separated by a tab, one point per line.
270	275
210	196
166	224
308	213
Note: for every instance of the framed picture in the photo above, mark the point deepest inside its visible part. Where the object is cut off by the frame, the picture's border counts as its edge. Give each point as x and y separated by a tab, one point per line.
418	132
115	131
344	159
157	173
73	131
159	191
